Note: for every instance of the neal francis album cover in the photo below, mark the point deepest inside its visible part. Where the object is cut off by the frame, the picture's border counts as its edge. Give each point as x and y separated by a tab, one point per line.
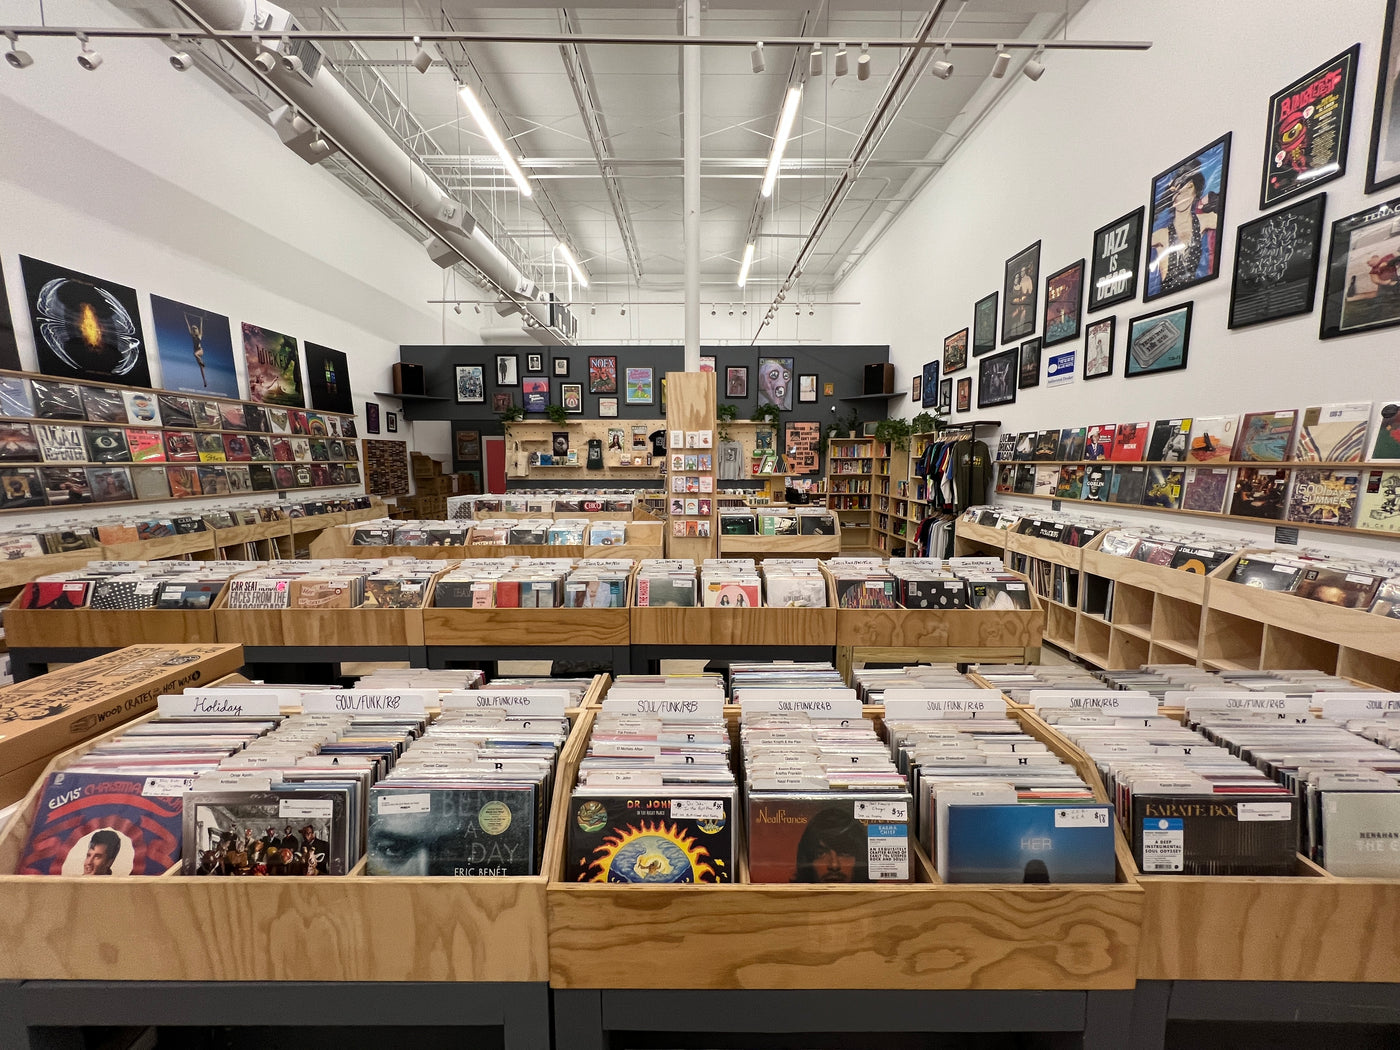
829	838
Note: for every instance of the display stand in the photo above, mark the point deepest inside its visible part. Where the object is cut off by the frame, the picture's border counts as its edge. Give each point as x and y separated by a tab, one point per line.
645	539
760	547
690	408
729	634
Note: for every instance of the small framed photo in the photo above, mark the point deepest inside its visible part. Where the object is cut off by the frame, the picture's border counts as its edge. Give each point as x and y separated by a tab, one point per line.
391	422
918	387
736	382
955	352
945	395
571	397
534	364
964	393
828	390
998	374
372	417
807	389
602	375
1030	363
507	370
501	402
929	385
471	385
1064	299
640	386
1158	342
707	363
561	367
1098	348
984	325
607	407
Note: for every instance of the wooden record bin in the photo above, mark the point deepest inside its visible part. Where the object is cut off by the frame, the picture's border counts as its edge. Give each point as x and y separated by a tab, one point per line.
1312	926
760	547
107	628
283	928
701	627
645	539
350	628
921	935
526	627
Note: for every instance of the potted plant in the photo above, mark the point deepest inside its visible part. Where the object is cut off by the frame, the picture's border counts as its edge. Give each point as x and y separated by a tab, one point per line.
894	431
511	414
724	415
557	415
766	414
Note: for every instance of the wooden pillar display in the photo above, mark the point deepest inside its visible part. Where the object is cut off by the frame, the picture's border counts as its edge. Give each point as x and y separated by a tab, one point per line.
690	416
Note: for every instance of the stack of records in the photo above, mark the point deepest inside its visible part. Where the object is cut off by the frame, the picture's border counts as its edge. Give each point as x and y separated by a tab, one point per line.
666	582
925	583
607	533
811	683
568	531
794	583
737	523
593	587
730	583
863	583
870	683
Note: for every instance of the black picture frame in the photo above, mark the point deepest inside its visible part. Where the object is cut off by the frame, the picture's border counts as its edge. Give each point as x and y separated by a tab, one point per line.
571	397
391	422
1113	266
1096	364
918	392
1356	298
1144	351
945	395
508	370
1276	262
534	364
371	417
467	391
561	368
736	383
1309	130
955	352
1020	291
1385	119
984	325
802	392
1210	163
1064	305
965	394
1029	367
930	385
997	376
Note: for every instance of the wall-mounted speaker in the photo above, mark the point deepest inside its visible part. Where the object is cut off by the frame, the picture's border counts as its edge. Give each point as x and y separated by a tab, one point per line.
409	379
879	379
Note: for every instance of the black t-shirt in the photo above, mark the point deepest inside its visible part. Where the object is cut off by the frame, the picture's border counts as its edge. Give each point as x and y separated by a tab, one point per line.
658	442
595	454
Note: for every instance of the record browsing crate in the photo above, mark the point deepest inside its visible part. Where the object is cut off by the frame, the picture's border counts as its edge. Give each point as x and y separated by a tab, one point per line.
923	935
698	626
1312	926
46	715
531	627
106	628
275	928
971	539
760	547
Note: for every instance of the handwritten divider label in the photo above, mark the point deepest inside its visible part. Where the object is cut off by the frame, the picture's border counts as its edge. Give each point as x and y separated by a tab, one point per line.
913	704
543	703
398	702
1272	703
808	703
220	703
1356	705
698	708
1118	701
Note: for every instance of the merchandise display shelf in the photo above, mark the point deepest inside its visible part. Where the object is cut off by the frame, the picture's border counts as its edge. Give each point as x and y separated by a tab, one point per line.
349	928
971	539
924	935
760	547
1046	550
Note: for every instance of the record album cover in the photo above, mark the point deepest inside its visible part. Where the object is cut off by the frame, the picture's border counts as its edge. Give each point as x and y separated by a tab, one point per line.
18	443
829	838
455	831
103	824
1324	497
65	486
1266	437
21	487
1333	433
16	400
195	346
1260	492
56	400
1380	500
274	367
1164	487
654	840
110	484
84	327
1205	488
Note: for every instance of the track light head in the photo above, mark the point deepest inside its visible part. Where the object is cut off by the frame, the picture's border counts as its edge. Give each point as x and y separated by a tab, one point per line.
814	61
317	145
863	63
266	61
87	57
291	63
18	59
756	57
423	59
623	312
942	68
1002	61
839	67
181	61
457	308
1034	68
477	307
712	311
731	311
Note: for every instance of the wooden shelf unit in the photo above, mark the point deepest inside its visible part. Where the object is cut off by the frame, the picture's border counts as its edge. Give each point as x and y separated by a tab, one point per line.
889	523
850	467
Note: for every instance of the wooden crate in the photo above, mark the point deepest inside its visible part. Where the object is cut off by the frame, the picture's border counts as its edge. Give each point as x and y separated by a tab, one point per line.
21	570
1175	583
255	627
106	628
1353	628
924	935
165	547
759	547
705	627
352	928
526	627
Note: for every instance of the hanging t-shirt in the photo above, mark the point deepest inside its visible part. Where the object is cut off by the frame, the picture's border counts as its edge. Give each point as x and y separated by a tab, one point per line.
595	454
731	461
658	442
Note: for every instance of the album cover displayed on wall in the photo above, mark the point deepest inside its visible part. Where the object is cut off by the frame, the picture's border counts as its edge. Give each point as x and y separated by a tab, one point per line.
16	400
103	405
1379	504
84	327
175	411
18	444
1324	497
1129	485
195	347
1266	437
328	378
1130	442
1205	488
1170	438
56	400
106	445
1213	439
65	485
149	483
110	484
146	446
102	824
1260	492
274	367
1098	483
1098	441
1164	487
1333	433
21	487
184	481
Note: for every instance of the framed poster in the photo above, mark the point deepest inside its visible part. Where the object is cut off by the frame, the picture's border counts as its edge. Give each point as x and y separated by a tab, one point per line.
1030	364
571	397
9	345
639	386
997	379
930	384
1020	285
1276	262
807	389
955	352
775	382
534	393
984	325
828	389
1362	293
918	387
1060	368
964	393
195	349
1188	218
1064	300
328	379
607	407
391	422
468	445
945	395
1113	273
86	327
471	384
507	370
1158	342
602	375
274	367
1098	347
707	363
736	382
371	417
561	367
501	403
534	364
1383	167
1309	129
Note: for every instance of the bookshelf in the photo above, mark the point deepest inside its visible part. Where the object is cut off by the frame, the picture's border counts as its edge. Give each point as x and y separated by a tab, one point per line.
889	523
850	476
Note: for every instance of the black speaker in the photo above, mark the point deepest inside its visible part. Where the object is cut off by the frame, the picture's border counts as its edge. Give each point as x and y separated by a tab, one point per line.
879	378
408	379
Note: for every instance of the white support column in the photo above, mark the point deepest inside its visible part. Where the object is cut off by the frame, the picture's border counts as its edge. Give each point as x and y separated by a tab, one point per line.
691	103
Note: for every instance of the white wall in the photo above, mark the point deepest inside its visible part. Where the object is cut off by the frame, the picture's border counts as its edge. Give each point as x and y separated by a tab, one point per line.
162	181
666	323
1074	151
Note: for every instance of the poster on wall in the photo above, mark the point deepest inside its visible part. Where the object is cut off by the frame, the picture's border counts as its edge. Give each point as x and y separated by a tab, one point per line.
945	396
1113	273
1060	368
997	380
195	347
1383	167
274	370
955	352
602	375
84	327
1309	129
640	386
929	387
535	392
1030	363
1098	348
1276	262
1020	285
1158	342
9	346
328	378
1362	292
965	392
1188	218
471	384
775	382
801	448
984	325
1064	297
